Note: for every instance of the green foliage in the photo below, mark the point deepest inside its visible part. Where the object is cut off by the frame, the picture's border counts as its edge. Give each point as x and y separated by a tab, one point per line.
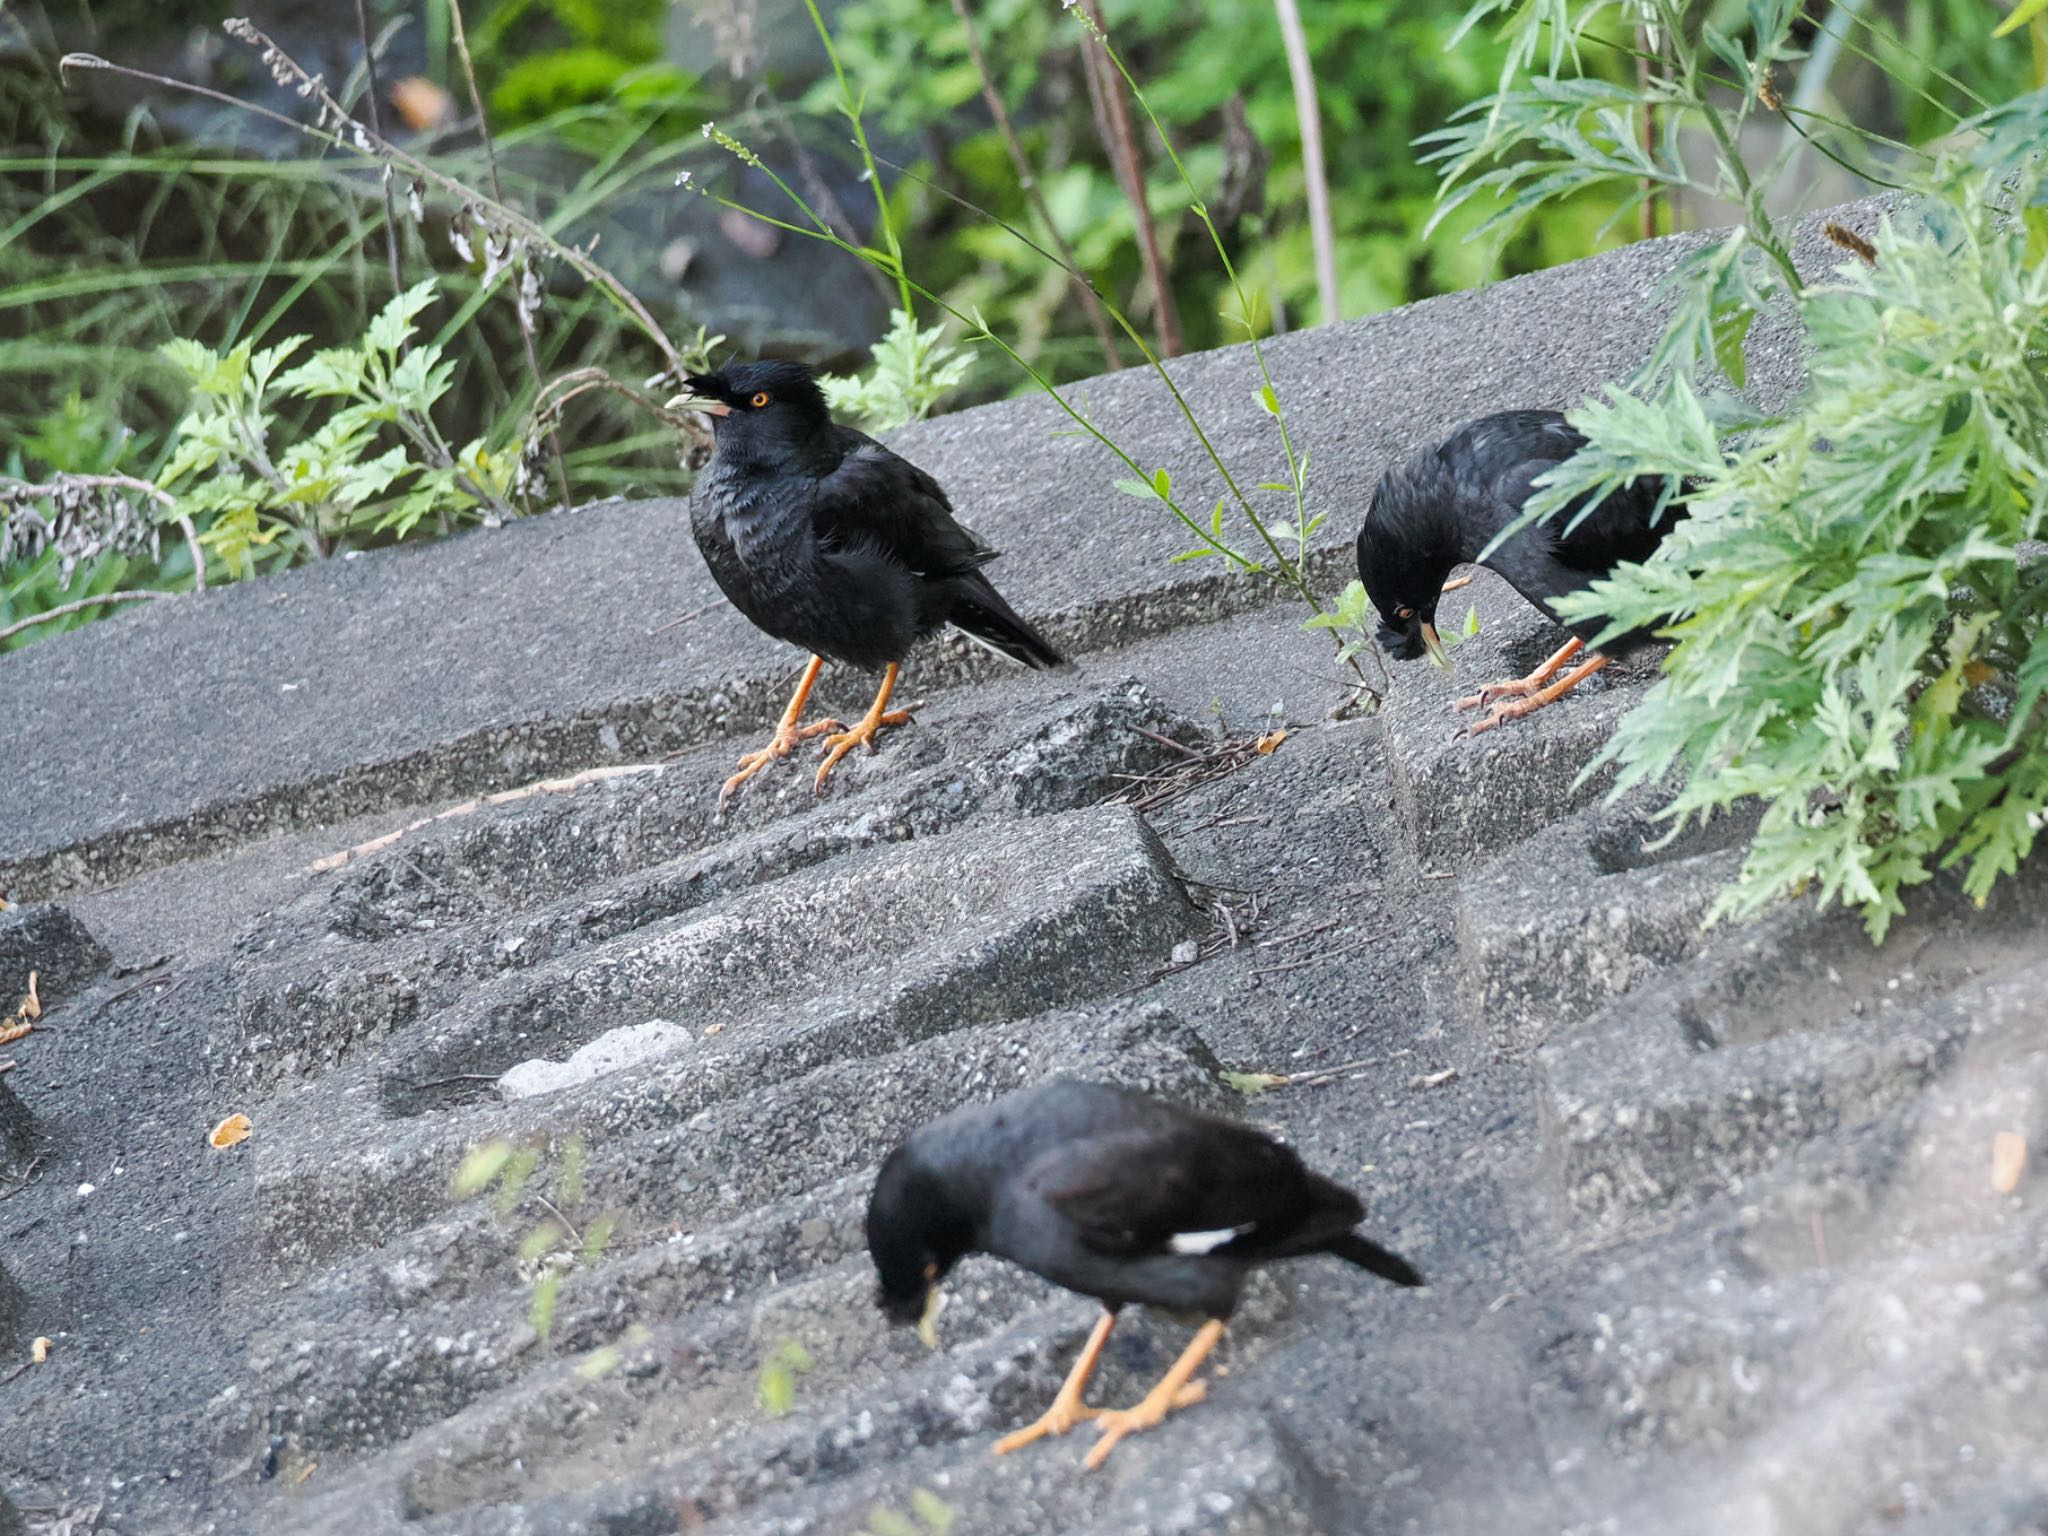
913	371
1262	554
257	500
1859	647
1351	616
1385	72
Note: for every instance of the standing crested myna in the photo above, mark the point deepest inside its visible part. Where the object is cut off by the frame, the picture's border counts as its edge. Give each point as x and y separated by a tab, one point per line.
822	537
1115	1195
1444	506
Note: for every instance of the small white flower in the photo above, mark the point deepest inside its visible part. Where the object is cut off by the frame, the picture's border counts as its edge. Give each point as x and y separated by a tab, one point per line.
682	178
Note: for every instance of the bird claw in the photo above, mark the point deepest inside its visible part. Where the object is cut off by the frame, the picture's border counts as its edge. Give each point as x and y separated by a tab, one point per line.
1056	1420
842	742
1113	1424
786	739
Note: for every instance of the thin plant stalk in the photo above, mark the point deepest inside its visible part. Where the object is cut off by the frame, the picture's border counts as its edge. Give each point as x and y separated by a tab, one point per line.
1113	121
1035	194
1646	41
384	151
388	154
851	107
377	127
1290	571
1153	361
483	133
137	595
1309	116
1201	211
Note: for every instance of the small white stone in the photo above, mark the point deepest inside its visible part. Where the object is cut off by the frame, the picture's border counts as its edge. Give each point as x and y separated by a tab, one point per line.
612	1051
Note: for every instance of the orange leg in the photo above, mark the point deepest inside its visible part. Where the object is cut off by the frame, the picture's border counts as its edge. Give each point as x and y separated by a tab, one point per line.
1523	685
879	714
787	734
1514	709
1067	1409
1176	1389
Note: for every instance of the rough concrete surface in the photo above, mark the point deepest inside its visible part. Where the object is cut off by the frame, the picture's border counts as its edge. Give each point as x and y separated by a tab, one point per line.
1708	1216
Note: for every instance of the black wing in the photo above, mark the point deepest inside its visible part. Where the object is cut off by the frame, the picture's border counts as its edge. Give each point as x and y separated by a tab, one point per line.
1213	1185
1625	526
878	499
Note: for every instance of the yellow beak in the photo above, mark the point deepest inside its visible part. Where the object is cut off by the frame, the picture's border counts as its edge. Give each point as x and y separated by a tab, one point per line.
704	403
1435	647
928	1324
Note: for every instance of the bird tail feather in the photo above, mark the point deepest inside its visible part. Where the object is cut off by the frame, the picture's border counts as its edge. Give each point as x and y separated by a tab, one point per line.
1369	1255
979	611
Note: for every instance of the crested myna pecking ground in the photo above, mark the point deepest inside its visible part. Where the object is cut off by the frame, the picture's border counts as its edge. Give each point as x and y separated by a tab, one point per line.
821	536
1115	1195
1442	507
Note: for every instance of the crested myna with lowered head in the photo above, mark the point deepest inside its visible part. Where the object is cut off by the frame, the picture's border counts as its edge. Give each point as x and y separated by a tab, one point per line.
1116	1195
822	537
1443	506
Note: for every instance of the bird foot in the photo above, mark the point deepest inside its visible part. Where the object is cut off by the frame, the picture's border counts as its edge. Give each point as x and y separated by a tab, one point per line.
1494	718
1113	1424
1495	691
1526	695
786	739
839	743
1521	687
1062	1416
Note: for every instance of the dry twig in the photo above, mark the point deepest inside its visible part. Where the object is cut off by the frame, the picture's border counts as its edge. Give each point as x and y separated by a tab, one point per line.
503	797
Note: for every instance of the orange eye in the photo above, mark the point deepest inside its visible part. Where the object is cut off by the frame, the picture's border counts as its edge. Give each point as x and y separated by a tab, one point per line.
1404	614
760	399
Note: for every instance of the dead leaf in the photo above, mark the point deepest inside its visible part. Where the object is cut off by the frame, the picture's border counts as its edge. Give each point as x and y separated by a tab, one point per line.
231	1132
1433	1079
22	1020
1978	673
39	1351
2008	1161
422	104
1270	741
306	1471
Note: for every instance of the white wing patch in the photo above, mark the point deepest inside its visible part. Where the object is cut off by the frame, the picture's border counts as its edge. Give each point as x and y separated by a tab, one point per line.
1207	1242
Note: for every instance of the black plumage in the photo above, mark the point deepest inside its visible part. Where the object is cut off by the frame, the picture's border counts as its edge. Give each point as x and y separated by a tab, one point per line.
823	537
1115	1195
1444	505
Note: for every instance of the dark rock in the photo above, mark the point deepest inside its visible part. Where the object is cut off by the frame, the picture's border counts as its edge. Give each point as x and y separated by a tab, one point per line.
55	945
17	1135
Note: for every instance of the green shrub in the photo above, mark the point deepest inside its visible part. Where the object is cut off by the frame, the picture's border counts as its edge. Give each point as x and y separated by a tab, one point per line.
1859	638
1859	645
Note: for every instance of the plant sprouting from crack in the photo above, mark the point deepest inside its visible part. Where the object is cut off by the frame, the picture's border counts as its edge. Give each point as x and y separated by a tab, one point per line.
554	1245
929	1515
776	1390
